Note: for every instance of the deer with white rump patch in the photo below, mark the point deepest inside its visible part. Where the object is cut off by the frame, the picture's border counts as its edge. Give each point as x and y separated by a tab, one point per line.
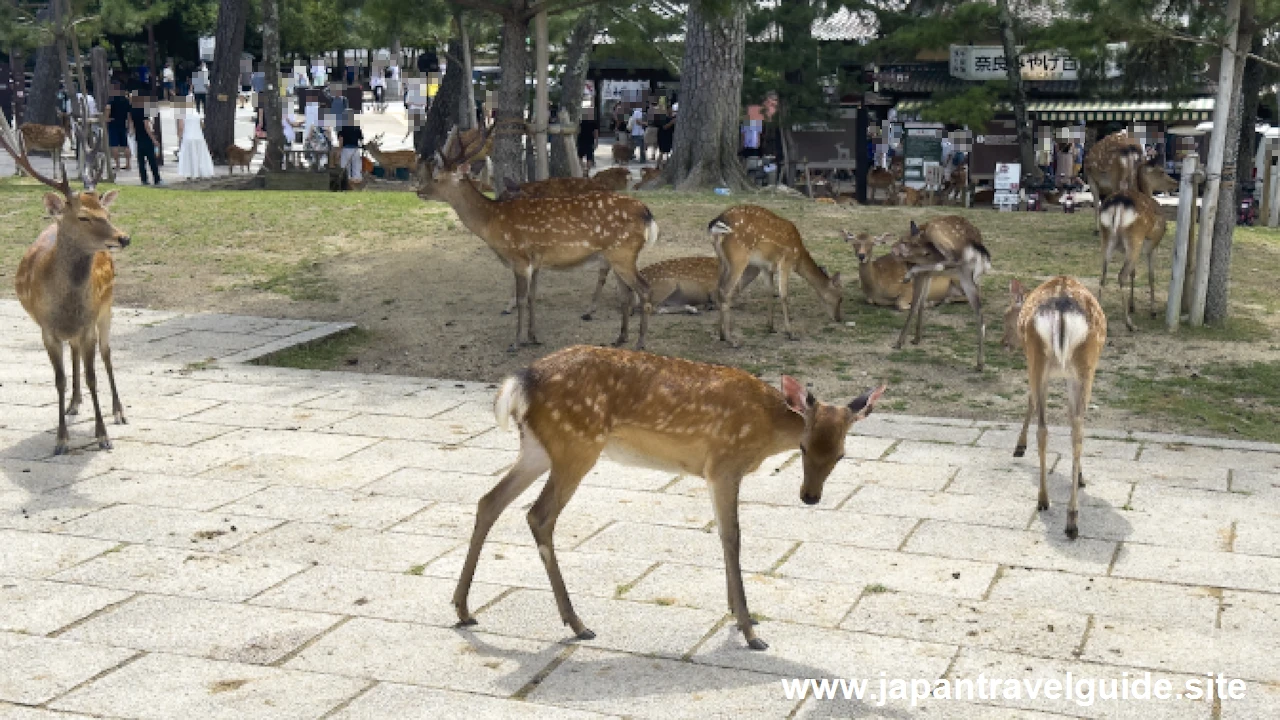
1062	329
529	234
749	235
951	247
714	422
65	282
1133	223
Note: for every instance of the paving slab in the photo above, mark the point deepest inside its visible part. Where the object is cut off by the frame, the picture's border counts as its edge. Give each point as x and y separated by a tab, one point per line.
38	607
410	702
34	670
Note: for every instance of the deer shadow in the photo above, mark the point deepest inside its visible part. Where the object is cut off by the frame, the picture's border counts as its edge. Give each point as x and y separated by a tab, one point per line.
29	466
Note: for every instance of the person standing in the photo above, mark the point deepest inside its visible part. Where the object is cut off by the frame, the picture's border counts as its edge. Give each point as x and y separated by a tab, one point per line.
588	138
118	126
194	160
666	137
636	126
167	80
318	74
651	131
351	138
378	81
144	137
200	86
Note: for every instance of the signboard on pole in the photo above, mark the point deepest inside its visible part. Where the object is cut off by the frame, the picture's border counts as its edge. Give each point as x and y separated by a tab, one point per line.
921	148
987	62
206	49
1007	182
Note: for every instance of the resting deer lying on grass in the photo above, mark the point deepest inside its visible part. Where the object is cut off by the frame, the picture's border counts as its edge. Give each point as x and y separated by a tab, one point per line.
882	279
749	235
65	283
529	234
713	422
1062	329
950	247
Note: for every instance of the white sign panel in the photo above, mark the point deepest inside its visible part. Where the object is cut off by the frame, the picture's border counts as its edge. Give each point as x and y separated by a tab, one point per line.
1008	179
206	48
987	62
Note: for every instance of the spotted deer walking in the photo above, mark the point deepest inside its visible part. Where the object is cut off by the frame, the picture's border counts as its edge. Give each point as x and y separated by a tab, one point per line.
529	234
239	157
65	282
1062	330
391	160
46	138
1133	223
951	247
882	278
749	235
714	422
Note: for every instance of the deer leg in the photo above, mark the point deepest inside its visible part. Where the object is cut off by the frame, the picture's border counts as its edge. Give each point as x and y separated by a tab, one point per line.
773	298
530	466
1021	448
54	348
784	296
724	492
531	301
625	269
1040	388
917	300
730	275
522	294
595	298
566	474
511	305
921	298
73	407
104	345
971	292
1126	271
1151	276
1076	404
87	349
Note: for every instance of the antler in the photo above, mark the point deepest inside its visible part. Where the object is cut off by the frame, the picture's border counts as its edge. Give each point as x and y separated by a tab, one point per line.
7	142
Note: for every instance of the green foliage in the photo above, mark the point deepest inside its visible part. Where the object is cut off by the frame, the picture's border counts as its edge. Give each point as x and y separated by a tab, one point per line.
808	75
638	33
974	107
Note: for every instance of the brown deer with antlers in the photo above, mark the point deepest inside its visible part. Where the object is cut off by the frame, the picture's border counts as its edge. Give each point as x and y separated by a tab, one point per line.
529	234
713	422
239	157
1062	329
951	247
748	235
391	160
65	282
46	138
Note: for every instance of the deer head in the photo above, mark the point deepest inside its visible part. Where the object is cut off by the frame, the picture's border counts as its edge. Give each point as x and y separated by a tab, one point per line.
1152	179
825	428
1012	339
85	221
863	243
447	171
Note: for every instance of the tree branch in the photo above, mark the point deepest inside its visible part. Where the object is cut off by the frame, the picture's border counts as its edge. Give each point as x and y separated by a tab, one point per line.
553	8
1219	45
675	67
496	8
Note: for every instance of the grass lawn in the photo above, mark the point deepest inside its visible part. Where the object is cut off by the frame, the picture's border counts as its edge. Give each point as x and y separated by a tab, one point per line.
426	294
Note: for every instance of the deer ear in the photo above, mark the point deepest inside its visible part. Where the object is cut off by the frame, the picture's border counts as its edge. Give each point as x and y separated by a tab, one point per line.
54	203
108	198
864	403
915	230
798	399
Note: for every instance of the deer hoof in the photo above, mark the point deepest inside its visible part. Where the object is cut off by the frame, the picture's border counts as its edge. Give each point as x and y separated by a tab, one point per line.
1129	324
467	622
513	348
60	449
586	317
586	634
1020	451
119	415
104	444
1080	480
506	312
757	644
793	337
1042	505
1072	530
73	409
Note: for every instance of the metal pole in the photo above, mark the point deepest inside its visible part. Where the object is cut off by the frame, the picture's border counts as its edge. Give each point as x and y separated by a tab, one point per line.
1266	177
1273	217
542	169
1213	170
1186	209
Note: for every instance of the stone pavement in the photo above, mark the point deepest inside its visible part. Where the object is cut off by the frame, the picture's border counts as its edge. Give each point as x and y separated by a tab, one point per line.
273	543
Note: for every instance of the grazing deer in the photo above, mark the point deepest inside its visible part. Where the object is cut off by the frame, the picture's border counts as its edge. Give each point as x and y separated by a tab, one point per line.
882	278
529	234
1132	222
391	160
949	246
880	180
682	285
713	422
65	283
749	235
1062	329
238	156
46	138
615	179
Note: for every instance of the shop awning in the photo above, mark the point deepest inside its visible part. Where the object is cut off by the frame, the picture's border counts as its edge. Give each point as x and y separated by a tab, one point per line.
1196	110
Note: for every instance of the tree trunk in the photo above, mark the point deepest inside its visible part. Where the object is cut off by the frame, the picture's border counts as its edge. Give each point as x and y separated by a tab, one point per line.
1250	92
1026	143
61	28
101	84
577	53
443	114
18	80
1217	299
273	158
509	129
467	102
220	112
705	152
42	102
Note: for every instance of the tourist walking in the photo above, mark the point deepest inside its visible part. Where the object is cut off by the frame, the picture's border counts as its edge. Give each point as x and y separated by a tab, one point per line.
636	126
118	127
144	137
351	138
194	160
588	138
666	136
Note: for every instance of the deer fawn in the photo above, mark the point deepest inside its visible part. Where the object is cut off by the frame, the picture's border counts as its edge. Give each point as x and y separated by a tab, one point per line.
714	422
1062	329
1133	222
391	160
682	285
238	156
529	234
749	235
65	283
882	278
951	247
46	138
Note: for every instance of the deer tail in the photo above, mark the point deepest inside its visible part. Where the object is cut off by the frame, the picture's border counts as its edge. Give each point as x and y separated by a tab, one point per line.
1062	326
512	402
650	228
1118	213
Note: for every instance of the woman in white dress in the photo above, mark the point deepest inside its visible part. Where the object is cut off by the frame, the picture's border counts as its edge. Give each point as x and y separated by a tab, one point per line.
194	160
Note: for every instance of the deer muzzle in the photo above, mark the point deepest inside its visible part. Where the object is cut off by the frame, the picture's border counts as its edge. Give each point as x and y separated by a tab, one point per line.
122	240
